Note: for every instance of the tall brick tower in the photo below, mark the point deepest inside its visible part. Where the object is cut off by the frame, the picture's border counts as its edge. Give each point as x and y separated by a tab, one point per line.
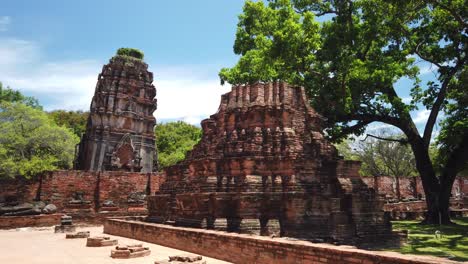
119	133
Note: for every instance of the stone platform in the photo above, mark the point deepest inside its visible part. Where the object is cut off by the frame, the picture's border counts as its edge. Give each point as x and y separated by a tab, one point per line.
242	248
130	251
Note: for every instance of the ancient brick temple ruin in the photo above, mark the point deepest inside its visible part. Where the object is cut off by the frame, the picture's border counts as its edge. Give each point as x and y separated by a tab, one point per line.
263	166
119	134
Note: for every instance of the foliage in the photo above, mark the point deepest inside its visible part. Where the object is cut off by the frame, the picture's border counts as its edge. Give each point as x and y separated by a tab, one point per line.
74	120
350	64
345	149
173	140
31	143
385	157
131	52
9	95
452	244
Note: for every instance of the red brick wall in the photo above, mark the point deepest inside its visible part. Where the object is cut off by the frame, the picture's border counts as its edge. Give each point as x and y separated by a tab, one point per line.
24	190
241	248
58	187
7	222
386	186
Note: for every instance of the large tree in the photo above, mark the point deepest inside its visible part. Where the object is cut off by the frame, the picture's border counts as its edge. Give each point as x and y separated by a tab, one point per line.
350	64
31	143
173	140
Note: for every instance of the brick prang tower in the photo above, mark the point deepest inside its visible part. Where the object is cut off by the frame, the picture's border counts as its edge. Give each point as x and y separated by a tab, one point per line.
263	166
120	129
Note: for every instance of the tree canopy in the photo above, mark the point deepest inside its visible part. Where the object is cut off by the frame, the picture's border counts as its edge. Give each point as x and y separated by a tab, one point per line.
74	120
173	140
9	95
350	64
31	143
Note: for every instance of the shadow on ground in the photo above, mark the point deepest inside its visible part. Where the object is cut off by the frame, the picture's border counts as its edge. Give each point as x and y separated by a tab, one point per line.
448	241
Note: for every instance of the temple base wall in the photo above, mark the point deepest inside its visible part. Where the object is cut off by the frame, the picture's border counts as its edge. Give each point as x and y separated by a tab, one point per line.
9	222
241	248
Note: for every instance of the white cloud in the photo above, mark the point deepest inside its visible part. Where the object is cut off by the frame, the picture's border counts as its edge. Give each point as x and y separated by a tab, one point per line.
5	22
427	68
189	92
193	120
188	99
406	100
421	116
57	84
374	127
15	53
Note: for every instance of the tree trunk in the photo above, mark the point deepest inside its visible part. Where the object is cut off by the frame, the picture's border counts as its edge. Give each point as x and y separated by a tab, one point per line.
438	212
398	192
437	193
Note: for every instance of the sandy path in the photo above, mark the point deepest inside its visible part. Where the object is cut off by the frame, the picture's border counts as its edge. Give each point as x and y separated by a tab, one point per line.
43	246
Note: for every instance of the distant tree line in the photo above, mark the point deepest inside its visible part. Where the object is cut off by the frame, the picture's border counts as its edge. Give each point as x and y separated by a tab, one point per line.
30	141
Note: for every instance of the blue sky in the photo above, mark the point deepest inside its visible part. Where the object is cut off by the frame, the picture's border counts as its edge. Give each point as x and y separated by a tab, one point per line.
54	50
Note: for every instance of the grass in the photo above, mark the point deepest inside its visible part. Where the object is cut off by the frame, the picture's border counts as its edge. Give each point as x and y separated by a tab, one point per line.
452	242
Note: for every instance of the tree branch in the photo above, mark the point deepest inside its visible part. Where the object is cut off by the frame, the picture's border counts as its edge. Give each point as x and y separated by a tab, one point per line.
438	104
435	112
370	118
326	12
401	141
351	129
416	50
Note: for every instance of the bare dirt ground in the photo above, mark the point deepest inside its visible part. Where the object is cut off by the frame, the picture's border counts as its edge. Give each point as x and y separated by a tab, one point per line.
43	246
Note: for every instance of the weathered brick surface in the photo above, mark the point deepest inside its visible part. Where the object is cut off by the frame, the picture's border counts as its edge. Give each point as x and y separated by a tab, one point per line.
239	248
263	160
7	222
20	189
96	188
58	187
119	133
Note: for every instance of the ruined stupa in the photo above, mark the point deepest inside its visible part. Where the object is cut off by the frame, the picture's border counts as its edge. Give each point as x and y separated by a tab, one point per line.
119	133
264	166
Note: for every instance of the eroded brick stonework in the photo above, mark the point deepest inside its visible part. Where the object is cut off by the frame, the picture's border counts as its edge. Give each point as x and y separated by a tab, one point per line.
9	222
86	195
263	166
119	134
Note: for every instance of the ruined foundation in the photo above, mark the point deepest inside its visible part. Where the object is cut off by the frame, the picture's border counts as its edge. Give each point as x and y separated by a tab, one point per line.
66	225
180	259
130	251
263	167
83	234
101	241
